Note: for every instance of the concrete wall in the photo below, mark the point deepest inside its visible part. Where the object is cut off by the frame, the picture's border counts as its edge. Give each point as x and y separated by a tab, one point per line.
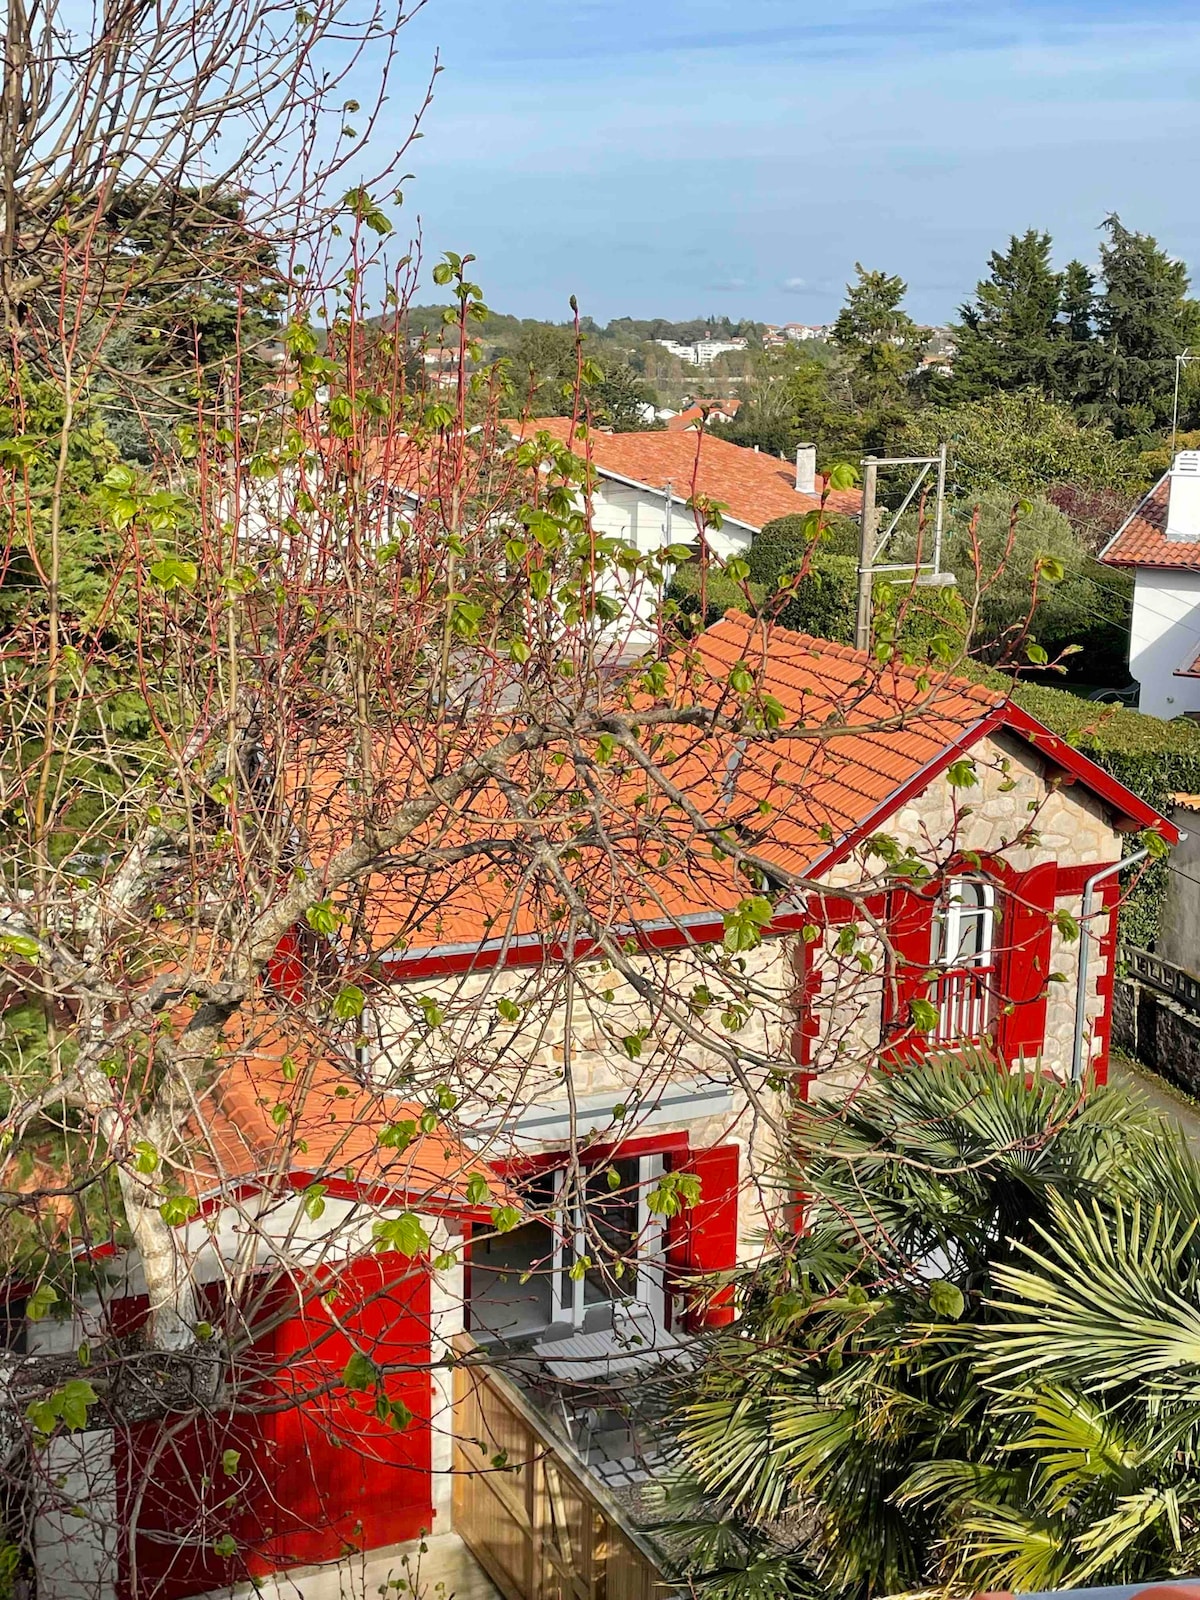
1164	636
1178	939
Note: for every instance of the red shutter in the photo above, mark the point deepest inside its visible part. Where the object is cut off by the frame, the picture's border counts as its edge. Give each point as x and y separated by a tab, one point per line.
910	929
285	969
703	1238
1023	948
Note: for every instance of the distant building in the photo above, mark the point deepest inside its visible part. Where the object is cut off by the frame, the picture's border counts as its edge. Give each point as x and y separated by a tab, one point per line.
802	332
704	352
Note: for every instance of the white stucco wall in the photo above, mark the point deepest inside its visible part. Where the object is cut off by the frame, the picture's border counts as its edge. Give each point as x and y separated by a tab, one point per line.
1164	636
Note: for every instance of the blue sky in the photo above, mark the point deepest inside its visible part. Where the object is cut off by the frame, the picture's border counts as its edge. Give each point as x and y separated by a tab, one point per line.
684	157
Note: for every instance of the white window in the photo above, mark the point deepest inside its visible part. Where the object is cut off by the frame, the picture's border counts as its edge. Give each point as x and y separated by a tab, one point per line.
595	1245
964	935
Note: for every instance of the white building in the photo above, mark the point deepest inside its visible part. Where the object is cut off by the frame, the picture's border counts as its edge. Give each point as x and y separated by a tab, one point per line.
1160	542
704	352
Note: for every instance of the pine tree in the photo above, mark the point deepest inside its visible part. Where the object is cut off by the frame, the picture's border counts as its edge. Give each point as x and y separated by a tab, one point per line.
1144	318
882	346
1010	334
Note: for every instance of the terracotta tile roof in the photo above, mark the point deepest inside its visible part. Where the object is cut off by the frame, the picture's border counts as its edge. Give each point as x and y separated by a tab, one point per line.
1143	542
853	735
262	1122
754	486
716	409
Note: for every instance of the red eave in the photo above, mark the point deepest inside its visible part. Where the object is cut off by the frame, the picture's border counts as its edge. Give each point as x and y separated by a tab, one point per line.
1093	777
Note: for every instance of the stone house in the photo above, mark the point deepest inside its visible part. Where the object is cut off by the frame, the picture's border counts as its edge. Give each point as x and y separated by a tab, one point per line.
610	1124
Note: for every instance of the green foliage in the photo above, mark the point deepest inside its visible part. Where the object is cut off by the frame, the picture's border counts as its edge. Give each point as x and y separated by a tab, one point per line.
976	1368
824	602
1154	759
619	400
1087	606
721	593
881	339
1143	320
1029	327
782	544
1023	443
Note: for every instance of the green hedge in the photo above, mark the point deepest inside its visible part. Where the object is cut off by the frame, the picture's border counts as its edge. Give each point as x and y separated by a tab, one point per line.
781	545
1152	758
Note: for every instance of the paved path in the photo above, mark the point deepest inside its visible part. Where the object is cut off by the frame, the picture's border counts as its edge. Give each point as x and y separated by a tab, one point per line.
1163	1096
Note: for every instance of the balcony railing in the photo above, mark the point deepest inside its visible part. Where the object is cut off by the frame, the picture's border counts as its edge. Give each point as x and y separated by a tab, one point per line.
963	998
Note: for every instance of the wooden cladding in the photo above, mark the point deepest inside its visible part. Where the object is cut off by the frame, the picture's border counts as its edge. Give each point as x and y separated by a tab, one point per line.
527	1511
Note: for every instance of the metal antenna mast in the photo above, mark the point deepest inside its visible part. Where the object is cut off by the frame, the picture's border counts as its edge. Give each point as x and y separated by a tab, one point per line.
871	546
1180	363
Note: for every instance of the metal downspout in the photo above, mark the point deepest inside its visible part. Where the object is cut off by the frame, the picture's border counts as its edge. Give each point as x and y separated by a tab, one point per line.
1086	912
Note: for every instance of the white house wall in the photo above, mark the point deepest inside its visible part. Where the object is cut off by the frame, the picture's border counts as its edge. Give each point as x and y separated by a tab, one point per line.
1164	636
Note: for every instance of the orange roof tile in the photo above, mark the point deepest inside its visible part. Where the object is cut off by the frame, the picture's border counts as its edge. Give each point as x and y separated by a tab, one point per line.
754	486
262	1122
853	734
1142	541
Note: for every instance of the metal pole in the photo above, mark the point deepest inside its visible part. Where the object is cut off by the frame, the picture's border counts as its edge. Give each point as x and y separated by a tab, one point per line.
939	510
866	555
1179	360
1086	912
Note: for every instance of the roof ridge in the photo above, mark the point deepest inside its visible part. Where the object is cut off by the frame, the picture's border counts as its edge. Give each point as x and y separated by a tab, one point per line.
849	652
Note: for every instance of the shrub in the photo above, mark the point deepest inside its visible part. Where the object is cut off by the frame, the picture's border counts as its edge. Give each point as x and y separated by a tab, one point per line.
825	600
721	593
782	544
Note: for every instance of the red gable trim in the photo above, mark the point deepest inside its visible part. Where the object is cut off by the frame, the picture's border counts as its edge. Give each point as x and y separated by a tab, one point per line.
1101	783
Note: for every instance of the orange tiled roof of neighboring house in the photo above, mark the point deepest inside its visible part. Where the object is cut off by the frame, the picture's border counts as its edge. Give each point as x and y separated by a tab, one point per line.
262	1121
792	798
754	486
1143	542
716	410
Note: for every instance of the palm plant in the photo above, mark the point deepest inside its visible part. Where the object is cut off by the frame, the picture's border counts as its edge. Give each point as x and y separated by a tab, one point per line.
978	1363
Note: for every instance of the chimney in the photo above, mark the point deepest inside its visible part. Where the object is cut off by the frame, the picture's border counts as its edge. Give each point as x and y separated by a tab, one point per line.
806	469
1183	504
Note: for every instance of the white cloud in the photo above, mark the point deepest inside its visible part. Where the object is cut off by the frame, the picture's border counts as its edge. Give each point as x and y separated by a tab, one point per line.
793	285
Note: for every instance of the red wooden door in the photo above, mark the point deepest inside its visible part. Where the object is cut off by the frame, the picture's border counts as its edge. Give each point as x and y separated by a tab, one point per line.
1025	938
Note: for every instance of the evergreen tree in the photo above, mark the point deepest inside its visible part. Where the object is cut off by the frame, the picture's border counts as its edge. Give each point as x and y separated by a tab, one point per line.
1144	319
1010	334
882	346
1076	359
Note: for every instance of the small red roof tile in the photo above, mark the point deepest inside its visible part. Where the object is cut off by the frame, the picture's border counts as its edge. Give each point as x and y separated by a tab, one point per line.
1143	542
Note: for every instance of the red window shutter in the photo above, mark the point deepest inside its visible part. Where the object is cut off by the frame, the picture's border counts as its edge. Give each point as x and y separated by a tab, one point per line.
285	969
703	1238
910	929
1023	948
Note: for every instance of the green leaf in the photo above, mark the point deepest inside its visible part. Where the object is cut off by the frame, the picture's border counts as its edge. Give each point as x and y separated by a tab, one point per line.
40	1301
322	918
509	1010
145	1156
842	476
961	774
314	1201
924	1015
946	1299
398	1136
225	1546
171	574
505	1218
230	1462
359	1373
349	1002
479	1191
404	1234
19	944
177	1209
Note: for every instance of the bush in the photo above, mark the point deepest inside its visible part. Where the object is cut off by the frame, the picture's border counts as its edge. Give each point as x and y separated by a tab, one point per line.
1089	607
781	545
1152	758
721	593
825	601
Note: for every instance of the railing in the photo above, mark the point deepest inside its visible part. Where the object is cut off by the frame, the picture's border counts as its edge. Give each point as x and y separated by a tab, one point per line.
1163	975
963	999
529	1512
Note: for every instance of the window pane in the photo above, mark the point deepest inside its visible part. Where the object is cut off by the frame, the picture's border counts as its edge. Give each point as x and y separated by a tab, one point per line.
611	1231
